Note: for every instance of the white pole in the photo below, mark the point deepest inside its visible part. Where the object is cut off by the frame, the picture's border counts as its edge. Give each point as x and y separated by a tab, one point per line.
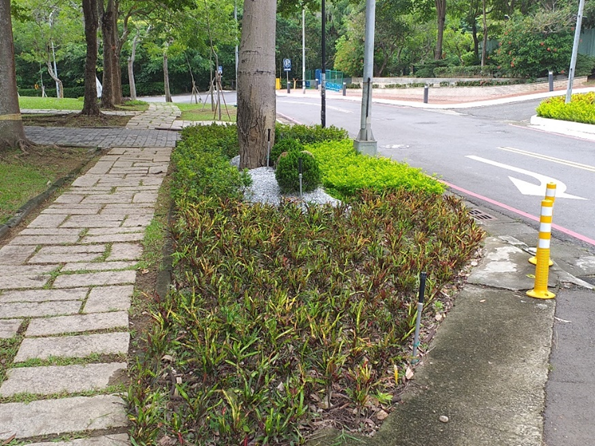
304	50
577	37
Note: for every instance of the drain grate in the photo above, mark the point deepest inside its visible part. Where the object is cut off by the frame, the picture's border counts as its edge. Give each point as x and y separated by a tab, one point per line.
478	214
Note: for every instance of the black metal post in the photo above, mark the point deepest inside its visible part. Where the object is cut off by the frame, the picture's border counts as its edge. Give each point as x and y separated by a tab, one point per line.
323	70
426	93
344	88
550	78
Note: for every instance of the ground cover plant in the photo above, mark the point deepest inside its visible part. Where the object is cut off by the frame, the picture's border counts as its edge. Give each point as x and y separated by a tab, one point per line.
24	175
581	108
283	320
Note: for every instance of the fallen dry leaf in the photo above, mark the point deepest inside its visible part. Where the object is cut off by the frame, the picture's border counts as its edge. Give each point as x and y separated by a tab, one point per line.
409	373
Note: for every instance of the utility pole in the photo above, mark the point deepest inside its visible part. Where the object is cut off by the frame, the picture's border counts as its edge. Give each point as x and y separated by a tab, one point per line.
323	70
365	143
577	37
235	16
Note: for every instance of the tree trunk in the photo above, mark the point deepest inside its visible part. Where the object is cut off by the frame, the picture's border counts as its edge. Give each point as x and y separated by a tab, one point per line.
475	39
109	47
131	67
12	132
55	78
256	82
90	105
441	19
485	35
166	75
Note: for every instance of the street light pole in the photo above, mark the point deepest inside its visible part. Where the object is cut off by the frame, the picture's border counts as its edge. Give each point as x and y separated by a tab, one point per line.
323	70
577	37
365	142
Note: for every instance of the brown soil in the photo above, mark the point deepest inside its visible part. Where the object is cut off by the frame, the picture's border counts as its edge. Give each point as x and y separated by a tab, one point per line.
75	120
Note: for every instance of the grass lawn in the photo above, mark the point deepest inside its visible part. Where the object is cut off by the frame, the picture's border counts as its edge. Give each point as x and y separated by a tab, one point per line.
36	103
26	175
203	112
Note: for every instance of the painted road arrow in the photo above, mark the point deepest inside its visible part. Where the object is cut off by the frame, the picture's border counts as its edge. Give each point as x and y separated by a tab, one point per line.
527	188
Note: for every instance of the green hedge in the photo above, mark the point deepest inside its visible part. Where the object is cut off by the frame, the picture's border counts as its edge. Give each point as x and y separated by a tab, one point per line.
463	71
147	89
580	109
346	172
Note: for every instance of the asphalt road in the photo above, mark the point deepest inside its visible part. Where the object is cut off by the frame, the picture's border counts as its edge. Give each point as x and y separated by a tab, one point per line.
488	154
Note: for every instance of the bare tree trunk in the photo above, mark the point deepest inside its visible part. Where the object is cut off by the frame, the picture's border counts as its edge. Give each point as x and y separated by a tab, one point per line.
131	67
485	35
441	18
12	132
90	106
56	79
166	75
256	82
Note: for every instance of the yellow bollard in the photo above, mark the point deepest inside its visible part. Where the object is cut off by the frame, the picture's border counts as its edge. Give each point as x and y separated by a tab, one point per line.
550	194
539	290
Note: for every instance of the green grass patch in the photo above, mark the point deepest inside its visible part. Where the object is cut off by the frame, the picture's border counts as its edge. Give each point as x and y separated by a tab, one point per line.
8	351
203	112
35	103
581	108
280	312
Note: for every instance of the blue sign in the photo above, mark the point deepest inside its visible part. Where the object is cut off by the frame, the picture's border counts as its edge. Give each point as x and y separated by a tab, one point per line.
286	64
220	69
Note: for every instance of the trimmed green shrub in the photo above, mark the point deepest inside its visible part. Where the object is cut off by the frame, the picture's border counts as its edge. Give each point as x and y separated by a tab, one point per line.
345	172
287	173
284	145
202	168
464	71
580	109
309	134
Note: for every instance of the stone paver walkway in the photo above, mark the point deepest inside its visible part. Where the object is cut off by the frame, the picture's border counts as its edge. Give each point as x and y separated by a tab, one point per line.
158	116
66	284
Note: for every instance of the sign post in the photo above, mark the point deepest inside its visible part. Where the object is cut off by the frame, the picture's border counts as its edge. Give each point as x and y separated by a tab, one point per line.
287	69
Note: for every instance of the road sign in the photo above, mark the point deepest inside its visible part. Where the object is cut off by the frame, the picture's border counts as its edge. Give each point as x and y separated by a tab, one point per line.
286	64
525	187
220	69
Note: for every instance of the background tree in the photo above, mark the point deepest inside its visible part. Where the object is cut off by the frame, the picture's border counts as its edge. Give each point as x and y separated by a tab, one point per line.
256	82
12	132
91	16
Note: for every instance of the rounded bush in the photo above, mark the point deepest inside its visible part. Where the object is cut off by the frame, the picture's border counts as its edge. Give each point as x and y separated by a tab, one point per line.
287	172
284	145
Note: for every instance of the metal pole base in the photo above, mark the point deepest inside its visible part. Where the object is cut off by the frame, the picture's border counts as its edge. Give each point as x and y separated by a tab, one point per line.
369	148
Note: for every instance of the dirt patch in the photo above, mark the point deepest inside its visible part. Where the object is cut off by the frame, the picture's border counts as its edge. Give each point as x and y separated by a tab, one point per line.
76	120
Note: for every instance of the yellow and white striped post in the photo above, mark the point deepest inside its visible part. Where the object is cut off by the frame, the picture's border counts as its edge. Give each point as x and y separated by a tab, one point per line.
539	290
550	194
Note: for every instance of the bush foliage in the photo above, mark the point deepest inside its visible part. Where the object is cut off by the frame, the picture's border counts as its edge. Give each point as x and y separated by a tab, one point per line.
279	311
287	172
284	145
580	109
346	172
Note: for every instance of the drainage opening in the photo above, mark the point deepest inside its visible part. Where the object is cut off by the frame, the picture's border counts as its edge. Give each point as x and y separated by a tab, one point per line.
480	215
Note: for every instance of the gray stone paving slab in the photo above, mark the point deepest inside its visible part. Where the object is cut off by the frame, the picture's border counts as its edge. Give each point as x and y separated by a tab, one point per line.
138	220
69	198
44	295
47	221
145	197
95	279
108	198
113	231
62	258
78	249
66	415
9	327
110	298
104	138
107	440
38	309
125	251
15	255
98	266
57	379
78	346
51	231
14	270
89	209
118	208
77	323
95	221
86	180
24	281
113	238
44	239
